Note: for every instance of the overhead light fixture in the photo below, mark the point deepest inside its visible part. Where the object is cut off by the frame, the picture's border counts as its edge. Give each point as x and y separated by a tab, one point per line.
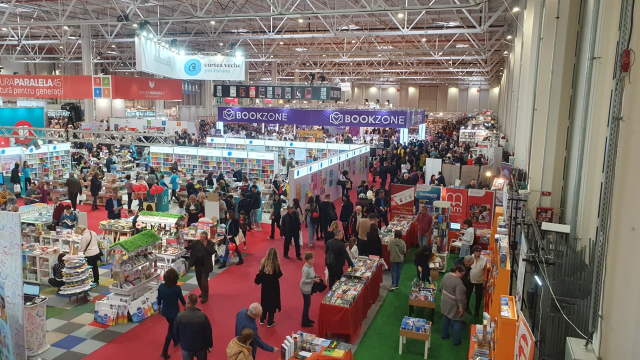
488	173
61	47
65	27
352	41
281	42
134	25
505	52
538	280
515	9
4	29
323	55
113	46
181	52
399	63
300	20
379	55
424	39
440	114
509	37
401	15
212	22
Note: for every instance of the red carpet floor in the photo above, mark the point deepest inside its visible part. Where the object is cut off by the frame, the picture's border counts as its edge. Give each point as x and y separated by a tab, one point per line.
230	291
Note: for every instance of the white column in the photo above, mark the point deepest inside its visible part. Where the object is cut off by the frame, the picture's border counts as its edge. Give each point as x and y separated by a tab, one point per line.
87	68
274	72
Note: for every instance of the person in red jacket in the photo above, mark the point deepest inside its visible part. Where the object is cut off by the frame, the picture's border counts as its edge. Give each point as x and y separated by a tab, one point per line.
58	209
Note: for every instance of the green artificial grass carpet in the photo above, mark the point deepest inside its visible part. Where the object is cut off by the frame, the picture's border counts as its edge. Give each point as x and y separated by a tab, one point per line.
381	341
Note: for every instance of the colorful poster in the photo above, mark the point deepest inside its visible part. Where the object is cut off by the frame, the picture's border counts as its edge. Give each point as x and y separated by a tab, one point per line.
544	214
426	195
298	190
315	181
458	200
6	351
47	86
330	178
252	91
11	276
525	343
402	199
480	209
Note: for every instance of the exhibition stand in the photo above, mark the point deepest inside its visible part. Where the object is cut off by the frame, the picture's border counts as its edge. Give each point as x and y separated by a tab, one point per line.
345	314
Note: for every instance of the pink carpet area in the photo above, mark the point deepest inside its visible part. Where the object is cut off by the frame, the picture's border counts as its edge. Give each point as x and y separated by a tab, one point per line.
230	291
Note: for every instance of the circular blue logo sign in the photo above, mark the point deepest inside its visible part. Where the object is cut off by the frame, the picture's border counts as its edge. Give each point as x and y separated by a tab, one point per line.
229	153
290	144
30	150
250	141
193	67
297	172
55	148
309	168
2	152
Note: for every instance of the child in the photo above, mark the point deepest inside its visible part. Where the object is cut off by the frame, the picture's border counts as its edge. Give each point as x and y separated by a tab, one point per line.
244	224
397	250
353	248
181	207
56	280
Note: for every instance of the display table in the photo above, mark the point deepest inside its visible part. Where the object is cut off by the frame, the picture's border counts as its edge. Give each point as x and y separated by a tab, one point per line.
134	290
35	326
473	344
426	337
411	237
424	304
333	319
348	355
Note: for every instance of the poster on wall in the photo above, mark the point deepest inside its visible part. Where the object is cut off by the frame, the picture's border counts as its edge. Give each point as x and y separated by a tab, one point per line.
458	200
6	351
426	195
331	178
315	181
544	214
402	197
480	209
525	343
521	272
323	182
11	275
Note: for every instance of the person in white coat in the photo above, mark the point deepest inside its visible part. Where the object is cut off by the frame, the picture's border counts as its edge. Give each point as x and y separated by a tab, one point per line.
89	247
468	238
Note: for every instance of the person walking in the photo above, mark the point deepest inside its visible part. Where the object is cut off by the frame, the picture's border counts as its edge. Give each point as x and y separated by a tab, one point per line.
90	249
291	231
327	211
363	230
175	186
335	256
95	187
275	216
256	204
15	178
425	225
312	222
306	286
382	209
476	279
246	319
201	257
452	303
193	331
74	187
345	214
26	172
373	240
397	251
269	277
240	346
233	231
169	294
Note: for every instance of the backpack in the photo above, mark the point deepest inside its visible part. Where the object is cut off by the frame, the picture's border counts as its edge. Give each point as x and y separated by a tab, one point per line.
315	217
330	258
332	215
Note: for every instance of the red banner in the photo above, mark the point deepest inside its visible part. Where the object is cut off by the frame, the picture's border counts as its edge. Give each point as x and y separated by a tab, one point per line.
481	208
81	87
47	86
402	200
138	88
458	200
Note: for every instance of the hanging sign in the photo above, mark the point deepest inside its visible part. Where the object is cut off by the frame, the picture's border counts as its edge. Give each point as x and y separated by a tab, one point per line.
402	198
458	200
480	209
426	195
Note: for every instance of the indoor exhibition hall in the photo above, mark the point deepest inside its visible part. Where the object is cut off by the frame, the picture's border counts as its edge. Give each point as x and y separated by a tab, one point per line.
321	180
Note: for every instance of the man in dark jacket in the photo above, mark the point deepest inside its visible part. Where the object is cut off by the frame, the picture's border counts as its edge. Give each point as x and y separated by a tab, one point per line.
191	188
291	231
382	209
335	260
324	208
108	163
384	174
415	178
256	203
246	319
244	204
193	331
74	187
237	175
201	257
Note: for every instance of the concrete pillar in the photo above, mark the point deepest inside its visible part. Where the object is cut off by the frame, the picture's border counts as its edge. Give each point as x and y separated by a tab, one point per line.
551	112
87	68
208	96
296	76
246	72
274	72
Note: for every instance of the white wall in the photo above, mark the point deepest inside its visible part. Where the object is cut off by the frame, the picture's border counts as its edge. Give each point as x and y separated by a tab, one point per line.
452	99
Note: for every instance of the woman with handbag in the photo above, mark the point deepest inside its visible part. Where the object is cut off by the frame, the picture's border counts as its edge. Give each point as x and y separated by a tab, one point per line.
15	179
89	247
233	229
95	185
269	277
276	216
312	222
342	181
306	286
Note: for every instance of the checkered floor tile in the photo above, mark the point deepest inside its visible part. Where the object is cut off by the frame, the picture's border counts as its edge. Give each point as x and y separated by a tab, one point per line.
72	331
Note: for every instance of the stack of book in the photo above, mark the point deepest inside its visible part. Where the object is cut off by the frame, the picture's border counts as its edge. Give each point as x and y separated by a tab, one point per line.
303	345
423	290
415	325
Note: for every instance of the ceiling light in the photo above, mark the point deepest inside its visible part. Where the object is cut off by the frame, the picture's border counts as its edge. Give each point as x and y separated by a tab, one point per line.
424	39
212	22
505	52
301	49
281	42
300	20
25	58
61	47
352	41
61	58
65	27
323	55
134	25
399	63
509	37
538	280
462	45
379	55
181	52
400	15
515	9
4	29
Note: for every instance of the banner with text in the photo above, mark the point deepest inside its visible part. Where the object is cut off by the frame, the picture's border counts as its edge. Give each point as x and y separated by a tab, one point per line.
426	195
278	92
402	198
330	117
458	200
480	208
146	88
47	86
153	57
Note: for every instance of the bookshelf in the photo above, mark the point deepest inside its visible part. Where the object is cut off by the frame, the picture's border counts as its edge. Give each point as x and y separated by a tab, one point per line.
161	158
187	159
440	238
261	166
506	330
59	158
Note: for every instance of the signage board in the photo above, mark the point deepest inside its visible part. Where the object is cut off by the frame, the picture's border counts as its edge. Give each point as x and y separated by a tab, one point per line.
278	92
